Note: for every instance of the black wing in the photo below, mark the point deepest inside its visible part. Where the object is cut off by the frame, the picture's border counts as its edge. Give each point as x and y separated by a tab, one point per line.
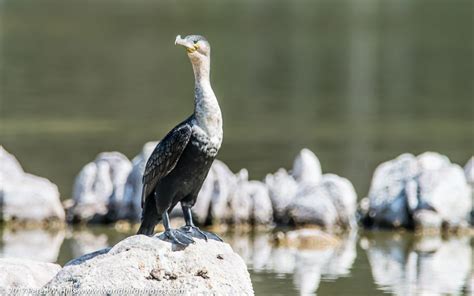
165	157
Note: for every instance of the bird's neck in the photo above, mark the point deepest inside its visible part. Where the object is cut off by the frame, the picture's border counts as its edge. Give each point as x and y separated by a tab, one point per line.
206	108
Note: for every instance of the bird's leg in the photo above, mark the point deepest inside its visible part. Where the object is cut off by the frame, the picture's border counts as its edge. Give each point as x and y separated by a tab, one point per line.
174	235
194	231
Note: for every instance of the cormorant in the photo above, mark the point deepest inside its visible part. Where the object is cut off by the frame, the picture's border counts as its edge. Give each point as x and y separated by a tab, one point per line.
181	161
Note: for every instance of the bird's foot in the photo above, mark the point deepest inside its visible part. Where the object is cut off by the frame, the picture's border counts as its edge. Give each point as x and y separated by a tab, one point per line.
176	237
198	233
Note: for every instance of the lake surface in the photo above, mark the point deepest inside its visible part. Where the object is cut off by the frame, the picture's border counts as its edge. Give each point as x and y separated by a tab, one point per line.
357	82
365	263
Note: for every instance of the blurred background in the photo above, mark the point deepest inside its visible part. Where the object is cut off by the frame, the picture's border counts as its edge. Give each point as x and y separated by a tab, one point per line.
357	82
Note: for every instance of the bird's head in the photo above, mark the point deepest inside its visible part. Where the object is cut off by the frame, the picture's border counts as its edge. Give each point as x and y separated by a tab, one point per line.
197	47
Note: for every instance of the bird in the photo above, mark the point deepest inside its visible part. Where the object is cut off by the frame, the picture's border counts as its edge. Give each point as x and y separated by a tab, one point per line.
176	169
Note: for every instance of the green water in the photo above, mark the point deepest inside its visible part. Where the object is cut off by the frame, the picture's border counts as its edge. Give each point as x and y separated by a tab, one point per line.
364	263
357	82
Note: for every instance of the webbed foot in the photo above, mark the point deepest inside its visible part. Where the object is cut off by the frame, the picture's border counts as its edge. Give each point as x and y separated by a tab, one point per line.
198	233
176	237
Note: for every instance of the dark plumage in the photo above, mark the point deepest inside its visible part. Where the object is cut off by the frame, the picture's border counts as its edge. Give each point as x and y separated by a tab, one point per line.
181	161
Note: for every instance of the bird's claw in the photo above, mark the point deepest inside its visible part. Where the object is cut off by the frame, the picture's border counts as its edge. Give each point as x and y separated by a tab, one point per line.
176	237
194	231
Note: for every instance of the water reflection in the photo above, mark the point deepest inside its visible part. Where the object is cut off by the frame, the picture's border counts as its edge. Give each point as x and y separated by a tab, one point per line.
405	265
35	244
402	264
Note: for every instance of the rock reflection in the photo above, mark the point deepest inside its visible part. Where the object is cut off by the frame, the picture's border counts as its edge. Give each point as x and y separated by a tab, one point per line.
408	265
35	244
308	263
84	242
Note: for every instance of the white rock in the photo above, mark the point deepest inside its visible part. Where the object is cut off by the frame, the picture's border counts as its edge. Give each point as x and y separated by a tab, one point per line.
329	204
469	171
251	202
24	196
241	203
213	202
99	188
407	184
132	205
282	189
141	262
10	167
306	167
426	220
312	205
24	273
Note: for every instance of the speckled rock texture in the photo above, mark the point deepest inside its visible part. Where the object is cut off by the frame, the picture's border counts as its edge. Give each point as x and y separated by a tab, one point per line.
147	263
26	197
24	273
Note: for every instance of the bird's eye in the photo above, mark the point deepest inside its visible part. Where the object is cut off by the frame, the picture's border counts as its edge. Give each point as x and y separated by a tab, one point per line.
195	41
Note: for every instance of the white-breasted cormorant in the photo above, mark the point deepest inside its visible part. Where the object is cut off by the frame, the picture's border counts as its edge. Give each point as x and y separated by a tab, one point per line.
181	161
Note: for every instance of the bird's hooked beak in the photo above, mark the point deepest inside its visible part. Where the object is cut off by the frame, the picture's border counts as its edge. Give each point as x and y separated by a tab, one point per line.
190	47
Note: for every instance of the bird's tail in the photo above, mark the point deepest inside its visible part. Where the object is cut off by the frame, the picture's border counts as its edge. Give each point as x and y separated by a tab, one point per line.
146	229
150	217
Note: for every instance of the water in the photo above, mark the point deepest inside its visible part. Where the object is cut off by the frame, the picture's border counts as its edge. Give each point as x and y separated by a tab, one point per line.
357	82
365	263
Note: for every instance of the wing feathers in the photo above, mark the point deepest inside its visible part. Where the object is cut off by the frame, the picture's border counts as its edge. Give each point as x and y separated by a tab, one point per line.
165	157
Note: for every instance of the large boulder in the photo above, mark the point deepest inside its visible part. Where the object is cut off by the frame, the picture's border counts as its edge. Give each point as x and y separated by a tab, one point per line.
331	203
408	184
132	206
98	192
147	263
25	274
26	197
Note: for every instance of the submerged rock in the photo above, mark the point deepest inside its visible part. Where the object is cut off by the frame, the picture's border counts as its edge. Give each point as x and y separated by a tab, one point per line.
408	184
24	273
99	188
26	197
141	262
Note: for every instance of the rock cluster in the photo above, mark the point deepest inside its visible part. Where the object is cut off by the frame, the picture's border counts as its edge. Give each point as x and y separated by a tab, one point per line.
26	197
425	192
304	196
